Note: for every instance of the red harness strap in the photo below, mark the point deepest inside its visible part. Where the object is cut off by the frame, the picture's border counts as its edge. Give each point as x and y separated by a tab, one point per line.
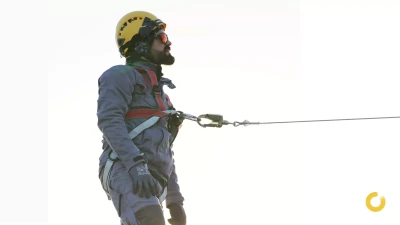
156	89
169	101
137	113
154	86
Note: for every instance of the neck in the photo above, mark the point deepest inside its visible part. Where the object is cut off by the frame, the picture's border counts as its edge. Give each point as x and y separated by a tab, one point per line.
146	64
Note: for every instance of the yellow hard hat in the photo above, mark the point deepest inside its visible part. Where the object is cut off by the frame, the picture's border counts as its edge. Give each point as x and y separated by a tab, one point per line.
133	27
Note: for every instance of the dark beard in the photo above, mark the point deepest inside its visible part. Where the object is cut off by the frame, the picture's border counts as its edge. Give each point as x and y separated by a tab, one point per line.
161	58
168	59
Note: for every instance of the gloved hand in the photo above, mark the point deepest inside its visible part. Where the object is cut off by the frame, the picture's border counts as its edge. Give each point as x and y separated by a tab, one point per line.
144	183
178	216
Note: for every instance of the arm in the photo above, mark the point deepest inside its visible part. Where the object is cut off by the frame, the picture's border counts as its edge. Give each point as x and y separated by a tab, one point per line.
115	94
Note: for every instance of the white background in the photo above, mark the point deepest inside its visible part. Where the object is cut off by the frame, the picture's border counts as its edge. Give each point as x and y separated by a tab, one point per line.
254	60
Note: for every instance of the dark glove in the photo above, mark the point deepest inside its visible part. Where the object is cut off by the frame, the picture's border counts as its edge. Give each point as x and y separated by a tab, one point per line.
144	183
178	216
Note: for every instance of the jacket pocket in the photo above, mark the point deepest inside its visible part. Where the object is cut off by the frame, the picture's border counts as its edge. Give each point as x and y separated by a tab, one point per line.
144	100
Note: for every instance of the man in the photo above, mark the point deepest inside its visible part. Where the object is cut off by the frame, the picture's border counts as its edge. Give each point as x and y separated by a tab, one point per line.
137	168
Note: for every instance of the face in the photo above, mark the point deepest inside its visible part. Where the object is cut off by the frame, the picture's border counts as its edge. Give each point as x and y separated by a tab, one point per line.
160	50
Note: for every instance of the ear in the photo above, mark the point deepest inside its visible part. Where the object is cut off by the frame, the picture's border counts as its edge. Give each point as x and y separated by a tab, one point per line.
142	48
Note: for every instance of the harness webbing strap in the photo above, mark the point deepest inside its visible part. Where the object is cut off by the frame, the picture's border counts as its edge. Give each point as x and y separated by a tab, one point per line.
137	113
106	173
153	84
153	78
156	90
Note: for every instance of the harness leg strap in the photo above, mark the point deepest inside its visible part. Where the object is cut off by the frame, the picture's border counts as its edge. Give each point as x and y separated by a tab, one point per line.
106	172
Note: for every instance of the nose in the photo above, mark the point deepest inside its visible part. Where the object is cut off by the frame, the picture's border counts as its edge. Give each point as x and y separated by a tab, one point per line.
168	43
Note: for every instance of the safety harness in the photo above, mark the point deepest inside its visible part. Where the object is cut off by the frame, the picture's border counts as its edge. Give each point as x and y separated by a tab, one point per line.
153	115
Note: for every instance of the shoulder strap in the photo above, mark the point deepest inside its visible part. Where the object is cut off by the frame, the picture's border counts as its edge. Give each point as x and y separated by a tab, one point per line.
151	80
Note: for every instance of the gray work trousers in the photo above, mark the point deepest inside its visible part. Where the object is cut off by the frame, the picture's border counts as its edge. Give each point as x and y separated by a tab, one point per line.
132	209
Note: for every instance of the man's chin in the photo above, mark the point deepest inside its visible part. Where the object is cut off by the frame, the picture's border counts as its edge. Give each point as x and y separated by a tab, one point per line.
168	59
164	58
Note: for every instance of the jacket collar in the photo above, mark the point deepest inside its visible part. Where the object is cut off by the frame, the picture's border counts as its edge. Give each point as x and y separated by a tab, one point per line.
147	65
144	64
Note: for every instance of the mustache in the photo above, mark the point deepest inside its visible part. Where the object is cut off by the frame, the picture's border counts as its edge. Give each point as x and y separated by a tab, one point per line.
167	48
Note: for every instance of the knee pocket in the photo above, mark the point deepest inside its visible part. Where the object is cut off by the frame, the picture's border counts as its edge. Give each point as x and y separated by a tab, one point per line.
150	215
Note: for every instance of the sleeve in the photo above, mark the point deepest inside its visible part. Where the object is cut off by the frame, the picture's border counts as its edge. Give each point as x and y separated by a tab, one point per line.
116	87
174	194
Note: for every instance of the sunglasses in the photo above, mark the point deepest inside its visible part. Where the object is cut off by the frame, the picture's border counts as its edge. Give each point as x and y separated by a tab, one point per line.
163	37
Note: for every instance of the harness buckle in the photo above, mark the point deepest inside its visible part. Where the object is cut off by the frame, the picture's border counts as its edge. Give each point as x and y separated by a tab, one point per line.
110	156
